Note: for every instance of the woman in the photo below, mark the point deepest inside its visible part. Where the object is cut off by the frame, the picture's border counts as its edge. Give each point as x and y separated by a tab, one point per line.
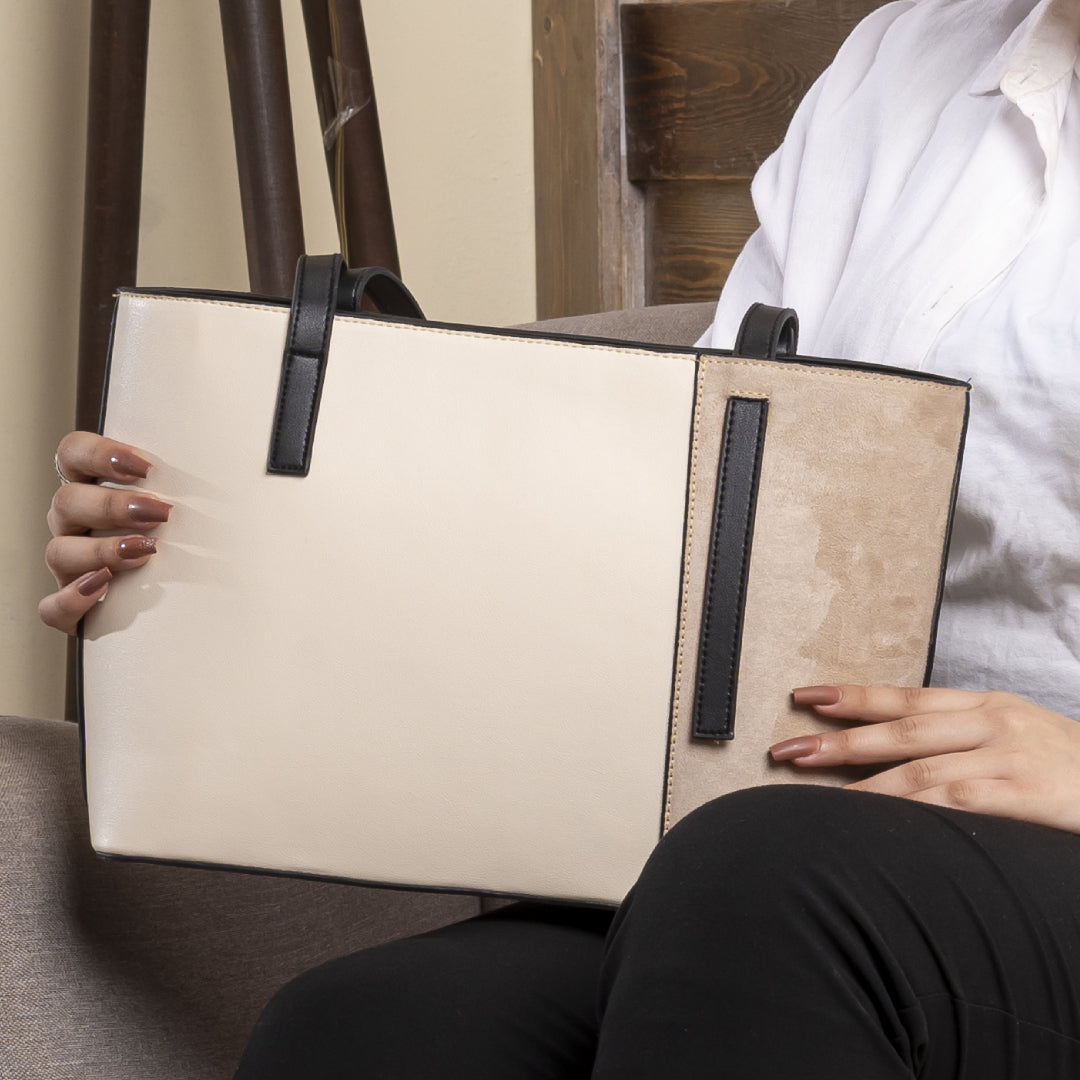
923	922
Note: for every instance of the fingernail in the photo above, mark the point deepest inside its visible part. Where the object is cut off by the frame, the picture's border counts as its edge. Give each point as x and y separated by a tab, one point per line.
145	510
789	749
129	466
135	547
91	582
817	695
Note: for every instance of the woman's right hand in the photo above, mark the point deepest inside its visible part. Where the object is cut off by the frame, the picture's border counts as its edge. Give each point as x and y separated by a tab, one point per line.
83	565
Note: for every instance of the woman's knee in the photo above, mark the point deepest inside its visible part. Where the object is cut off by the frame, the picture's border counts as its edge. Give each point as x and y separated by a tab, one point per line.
347	1001
770	836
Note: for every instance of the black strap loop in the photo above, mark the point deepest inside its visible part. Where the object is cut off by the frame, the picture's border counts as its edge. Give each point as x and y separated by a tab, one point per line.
386	289
323	286
767	333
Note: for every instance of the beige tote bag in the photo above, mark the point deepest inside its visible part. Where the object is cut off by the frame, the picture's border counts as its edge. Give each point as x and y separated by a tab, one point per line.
472	609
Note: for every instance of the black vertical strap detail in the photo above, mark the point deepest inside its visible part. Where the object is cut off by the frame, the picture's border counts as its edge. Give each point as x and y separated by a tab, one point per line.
303	365
729	568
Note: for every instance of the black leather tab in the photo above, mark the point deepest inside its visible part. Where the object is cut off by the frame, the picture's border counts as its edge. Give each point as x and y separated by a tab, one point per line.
323	285
767	333
729	568
303	365
386	289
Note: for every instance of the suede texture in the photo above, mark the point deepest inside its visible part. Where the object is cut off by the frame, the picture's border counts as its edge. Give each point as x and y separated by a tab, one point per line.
848	549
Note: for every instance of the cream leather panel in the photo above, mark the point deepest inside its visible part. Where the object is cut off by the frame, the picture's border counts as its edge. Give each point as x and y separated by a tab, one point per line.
388	670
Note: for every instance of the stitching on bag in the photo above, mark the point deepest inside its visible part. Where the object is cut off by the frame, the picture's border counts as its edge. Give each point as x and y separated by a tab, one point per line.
676	705
468	335
279	419
744	557
843	373
630	351
287	374
206	303
689	357
710	583
324	348
286	378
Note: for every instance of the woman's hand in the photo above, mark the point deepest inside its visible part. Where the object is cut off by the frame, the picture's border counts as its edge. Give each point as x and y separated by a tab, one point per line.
84	565
990	753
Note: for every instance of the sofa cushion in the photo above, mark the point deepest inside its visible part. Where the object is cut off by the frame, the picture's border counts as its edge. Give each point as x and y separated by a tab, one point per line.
125	971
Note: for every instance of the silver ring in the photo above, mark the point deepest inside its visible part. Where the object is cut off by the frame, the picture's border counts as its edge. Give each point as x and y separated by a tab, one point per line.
59	472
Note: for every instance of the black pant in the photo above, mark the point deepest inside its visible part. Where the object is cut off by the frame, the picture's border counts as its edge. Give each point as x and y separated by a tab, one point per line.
785	933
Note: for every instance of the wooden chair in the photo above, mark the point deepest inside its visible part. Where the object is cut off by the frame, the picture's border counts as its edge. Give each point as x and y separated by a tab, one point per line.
651	119
254	40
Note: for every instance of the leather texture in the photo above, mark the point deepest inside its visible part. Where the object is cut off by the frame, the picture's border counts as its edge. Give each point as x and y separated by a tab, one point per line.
385	288
451	644
729	566
323	286
303	365
768	332
461	653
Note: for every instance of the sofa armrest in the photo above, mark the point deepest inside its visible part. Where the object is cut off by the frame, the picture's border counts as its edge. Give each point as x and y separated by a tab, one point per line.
123	970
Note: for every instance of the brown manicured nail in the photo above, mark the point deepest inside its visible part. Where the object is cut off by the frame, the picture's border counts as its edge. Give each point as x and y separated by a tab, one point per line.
790	749
146	510
135	547
129	466
817	695
91	582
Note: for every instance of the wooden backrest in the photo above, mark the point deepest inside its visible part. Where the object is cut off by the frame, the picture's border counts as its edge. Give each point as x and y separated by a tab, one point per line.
646	199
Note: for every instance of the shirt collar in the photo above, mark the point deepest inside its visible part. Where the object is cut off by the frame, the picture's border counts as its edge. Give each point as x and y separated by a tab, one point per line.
1038	54
1033	70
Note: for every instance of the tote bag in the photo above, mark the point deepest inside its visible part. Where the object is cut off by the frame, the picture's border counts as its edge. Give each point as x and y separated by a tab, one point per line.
465	608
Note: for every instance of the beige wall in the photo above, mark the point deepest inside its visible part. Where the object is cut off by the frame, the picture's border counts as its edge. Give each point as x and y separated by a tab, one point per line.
454	90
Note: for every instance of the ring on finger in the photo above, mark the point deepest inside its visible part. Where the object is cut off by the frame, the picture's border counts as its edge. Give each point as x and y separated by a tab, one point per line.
60	472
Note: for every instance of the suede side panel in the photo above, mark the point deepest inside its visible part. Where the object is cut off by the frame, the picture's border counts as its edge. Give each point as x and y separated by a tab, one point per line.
852	519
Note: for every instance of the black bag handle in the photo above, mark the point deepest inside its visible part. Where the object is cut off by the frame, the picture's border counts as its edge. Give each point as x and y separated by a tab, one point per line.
323	286
386	289
767	333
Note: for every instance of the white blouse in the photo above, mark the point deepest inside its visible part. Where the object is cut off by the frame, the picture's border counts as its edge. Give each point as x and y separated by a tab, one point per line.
924	211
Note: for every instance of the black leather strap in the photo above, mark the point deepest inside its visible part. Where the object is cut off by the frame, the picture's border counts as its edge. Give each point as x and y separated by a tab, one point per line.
323	285
768	332
729	568
386	289
303	365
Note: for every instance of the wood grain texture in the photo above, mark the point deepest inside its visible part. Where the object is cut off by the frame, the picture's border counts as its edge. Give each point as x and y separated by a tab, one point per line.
567	158
345	96
589	216
694	231
119	35
254	38
711	85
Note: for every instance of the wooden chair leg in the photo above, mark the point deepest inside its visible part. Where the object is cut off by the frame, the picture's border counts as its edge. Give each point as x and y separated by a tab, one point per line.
265	152
345	91
119	36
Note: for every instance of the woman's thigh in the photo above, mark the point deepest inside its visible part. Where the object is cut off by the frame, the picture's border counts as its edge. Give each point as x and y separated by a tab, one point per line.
507	995
812	932
786	931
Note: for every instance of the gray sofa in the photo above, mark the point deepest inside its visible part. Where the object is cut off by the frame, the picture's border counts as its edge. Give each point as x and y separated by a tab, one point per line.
125	971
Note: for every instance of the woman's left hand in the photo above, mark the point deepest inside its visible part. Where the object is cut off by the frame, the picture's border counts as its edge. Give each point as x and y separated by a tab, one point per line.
990	753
